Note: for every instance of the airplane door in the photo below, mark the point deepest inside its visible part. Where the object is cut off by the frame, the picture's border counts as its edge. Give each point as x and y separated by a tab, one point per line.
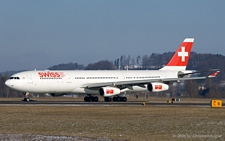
30	80
68	79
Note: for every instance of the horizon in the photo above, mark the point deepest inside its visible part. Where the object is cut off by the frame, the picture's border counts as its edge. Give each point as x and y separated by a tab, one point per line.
112	61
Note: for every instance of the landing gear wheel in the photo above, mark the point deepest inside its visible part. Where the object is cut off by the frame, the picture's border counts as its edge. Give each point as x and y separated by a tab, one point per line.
115	99
95	99
90	99
87	99
26	99
119	99
108	99
124	99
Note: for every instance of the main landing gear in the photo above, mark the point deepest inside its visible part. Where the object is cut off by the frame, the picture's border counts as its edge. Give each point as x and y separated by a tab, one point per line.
26	96
116	99
91	98
119	99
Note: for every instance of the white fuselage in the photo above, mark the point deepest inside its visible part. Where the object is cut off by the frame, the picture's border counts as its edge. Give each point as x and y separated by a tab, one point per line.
75	81
106	83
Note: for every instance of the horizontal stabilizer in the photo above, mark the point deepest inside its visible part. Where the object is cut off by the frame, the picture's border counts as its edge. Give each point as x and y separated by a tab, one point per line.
214	74
196	72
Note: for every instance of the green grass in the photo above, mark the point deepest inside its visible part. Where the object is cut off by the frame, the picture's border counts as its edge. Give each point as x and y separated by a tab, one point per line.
115	122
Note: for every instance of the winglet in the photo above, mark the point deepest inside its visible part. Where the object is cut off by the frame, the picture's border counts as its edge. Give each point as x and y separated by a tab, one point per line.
214	74
180	59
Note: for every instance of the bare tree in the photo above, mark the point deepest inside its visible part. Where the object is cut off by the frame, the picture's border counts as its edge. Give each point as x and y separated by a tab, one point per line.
128	60
133	62
138	58
1	86
6	89
192	88
145	61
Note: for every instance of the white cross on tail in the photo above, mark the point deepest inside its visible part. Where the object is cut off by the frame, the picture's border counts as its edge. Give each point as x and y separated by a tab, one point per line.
183	54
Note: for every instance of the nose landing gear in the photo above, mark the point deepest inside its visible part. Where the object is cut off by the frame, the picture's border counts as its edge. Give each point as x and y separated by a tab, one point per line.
26	96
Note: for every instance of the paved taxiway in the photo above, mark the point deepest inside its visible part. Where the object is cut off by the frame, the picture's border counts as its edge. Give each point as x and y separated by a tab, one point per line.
75	103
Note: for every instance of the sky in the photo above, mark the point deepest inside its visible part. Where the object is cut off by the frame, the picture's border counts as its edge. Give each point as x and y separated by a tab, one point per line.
38	34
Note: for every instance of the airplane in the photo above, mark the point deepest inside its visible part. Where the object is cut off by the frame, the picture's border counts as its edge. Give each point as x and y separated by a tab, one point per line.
106	83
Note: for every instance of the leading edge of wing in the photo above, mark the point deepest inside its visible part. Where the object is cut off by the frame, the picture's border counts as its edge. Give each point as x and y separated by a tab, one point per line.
146	81
133	82
136	82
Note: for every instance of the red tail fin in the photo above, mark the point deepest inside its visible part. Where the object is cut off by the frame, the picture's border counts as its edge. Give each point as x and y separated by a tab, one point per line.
180	59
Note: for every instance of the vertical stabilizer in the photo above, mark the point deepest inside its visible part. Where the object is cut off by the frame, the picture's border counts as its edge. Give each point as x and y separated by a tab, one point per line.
180	59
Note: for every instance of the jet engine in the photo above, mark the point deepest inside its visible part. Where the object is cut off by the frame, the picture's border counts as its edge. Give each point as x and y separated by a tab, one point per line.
157	87
109	91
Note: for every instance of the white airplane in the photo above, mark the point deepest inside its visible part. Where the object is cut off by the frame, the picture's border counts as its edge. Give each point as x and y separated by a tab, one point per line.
107	83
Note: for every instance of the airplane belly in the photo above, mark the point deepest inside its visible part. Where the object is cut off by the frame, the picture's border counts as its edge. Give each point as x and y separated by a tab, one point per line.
85	91
44	87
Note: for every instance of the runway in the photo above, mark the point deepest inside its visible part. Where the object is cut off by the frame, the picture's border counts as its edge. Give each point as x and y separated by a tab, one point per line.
76	103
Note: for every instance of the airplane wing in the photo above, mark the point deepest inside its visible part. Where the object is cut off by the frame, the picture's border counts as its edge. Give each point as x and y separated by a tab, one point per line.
141	83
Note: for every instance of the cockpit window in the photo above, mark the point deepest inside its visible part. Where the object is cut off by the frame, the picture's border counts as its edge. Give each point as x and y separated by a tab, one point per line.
14	78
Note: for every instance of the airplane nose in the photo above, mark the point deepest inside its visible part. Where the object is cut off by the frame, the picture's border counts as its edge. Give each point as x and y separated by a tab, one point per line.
8	83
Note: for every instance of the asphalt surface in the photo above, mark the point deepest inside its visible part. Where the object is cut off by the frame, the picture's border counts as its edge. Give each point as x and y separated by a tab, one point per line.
75	103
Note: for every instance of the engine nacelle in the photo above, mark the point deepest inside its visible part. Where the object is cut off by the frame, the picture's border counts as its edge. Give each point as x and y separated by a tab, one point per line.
109	91
157	87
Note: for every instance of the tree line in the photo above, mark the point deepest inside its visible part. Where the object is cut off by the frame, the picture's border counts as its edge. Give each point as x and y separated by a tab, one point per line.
204	88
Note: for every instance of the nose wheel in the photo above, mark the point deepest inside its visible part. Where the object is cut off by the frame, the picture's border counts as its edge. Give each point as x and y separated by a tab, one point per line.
26	97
